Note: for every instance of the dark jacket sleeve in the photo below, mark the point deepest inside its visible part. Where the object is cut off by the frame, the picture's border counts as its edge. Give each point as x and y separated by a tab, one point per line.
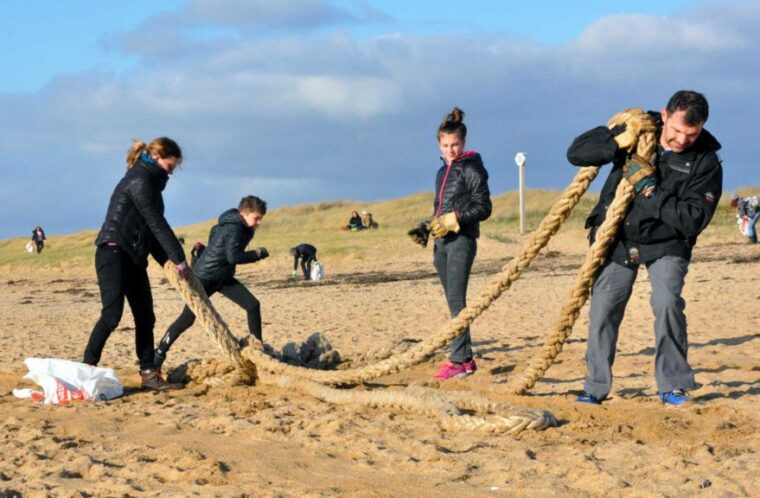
596	147
148	200
235	249
477	207
157	252
691	212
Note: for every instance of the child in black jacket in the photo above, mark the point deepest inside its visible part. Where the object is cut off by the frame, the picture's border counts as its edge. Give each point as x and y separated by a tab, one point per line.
215	268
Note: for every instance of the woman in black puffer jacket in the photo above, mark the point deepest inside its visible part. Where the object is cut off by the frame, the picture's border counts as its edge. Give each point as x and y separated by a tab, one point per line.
462	201
135	227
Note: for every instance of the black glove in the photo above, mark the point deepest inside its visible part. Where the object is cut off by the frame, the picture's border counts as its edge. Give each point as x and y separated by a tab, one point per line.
640	174
420	233
261	252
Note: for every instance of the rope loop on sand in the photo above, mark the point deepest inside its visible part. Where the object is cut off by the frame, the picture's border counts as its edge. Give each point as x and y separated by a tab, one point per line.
504	418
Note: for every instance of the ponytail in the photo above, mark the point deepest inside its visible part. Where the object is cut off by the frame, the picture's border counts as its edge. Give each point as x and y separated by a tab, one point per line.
138	146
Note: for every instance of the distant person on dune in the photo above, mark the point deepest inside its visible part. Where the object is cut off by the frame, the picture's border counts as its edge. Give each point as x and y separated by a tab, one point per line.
215	268
368	221
675	200
462	201
355	222
196	251
38	237
135	227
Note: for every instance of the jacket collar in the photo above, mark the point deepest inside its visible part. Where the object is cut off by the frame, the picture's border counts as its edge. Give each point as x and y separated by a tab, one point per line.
155	171
463	155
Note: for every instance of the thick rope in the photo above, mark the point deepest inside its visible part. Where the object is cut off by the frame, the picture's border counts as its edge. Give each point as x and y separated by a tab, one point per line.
426	348
194	295
199	303
422	351
595	258
505	418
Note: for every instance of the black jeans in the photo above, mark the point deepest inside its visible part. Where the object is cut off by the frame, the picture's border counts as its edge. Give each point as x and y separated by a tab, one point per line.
119	277
232	290
453	256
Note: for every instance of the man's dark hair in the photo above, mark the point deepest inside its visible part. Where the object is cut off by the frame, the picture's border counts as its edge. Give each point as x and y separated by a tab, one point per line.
251	203
694	103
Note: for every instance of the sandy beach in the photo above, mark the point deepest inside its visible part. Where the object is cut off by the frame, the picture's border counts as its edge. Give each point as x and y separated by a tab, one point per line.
237	440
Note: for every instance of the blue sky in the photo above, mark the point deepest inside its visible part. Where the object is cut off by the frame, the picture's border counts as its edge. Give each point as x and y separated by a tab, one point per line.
306	100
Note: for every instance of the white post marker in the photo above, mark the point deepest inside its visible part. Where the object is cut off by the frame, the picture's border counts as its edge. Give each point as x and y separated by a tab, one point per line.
520	161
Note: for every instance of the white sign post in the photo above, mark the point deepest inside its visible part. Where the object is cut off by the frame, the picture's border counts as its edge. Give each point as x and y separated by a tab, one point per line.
520	161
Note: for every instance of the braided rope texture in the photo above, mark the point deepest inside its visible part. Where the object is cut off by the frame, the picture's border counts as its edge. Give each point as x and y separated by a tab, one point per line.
502	418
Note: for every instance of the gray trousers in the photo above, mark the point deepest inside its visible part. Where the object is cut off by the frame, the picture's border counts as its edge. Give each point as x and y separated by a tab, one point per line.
610	295
453	256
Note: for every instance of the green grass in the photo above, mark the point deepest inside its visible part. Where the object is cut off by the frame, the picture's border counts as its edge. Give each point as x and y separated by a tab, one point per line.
322	225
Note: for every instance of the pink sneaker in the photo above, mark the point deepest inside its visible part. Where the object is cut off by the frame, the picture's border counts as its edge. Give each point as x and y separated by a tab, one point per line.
450	370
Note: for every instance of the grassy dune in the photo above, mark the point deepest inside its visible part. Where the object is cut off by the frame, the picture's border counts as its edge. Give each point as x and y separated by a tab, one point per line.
321	224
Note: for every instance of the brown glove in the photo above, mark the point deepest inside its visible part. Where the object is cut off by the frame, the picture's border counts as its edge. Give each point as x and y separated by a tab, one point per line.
440	226
633	122
420	233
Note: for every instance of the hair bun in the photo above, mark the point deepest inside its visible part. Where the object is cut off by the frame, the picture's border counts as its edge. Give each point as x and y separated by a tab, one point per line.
455	116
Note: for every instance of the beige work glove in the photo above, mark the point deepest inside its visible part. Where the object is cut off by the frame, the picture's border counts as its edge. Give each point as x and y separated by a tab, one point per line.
630	123
440	226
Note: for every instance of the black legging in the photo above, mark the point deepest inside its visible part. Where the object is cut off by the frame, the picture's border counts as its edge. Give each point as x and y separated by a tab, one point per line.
119	277
232	290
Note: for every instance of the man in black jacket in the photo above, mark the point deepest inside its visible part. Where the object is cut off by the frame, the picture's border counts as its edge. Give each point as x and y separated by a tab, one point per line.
215	268
676	197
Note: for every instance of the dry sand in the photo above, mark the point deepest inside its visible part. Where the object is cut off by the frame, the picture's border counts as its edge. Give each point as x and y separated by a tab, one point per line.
267	441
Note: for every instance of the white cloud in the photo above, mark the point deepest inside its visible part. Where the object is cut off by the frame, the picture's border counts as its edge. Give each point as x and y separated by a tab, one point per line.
628	35
301	117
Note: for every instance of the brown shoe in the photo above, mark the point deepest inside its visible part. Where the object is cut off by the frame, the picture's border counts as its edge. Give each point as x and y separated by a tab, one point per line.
151	379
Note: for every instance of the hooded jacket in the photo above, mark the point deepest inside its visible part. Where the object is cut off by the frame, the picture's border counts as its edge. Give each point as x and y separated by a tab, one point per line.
135	218
689	185
227	241
462	187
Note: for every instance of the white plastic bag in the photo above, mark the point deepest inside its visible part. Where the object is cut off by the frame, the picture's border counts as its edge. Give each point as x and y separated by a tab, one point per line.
64	381
743	222
317	271
30	246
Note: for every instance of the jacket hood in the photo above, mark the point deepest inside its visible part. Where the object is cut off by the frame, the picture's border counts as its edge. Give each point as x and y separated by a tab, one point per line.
231	216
